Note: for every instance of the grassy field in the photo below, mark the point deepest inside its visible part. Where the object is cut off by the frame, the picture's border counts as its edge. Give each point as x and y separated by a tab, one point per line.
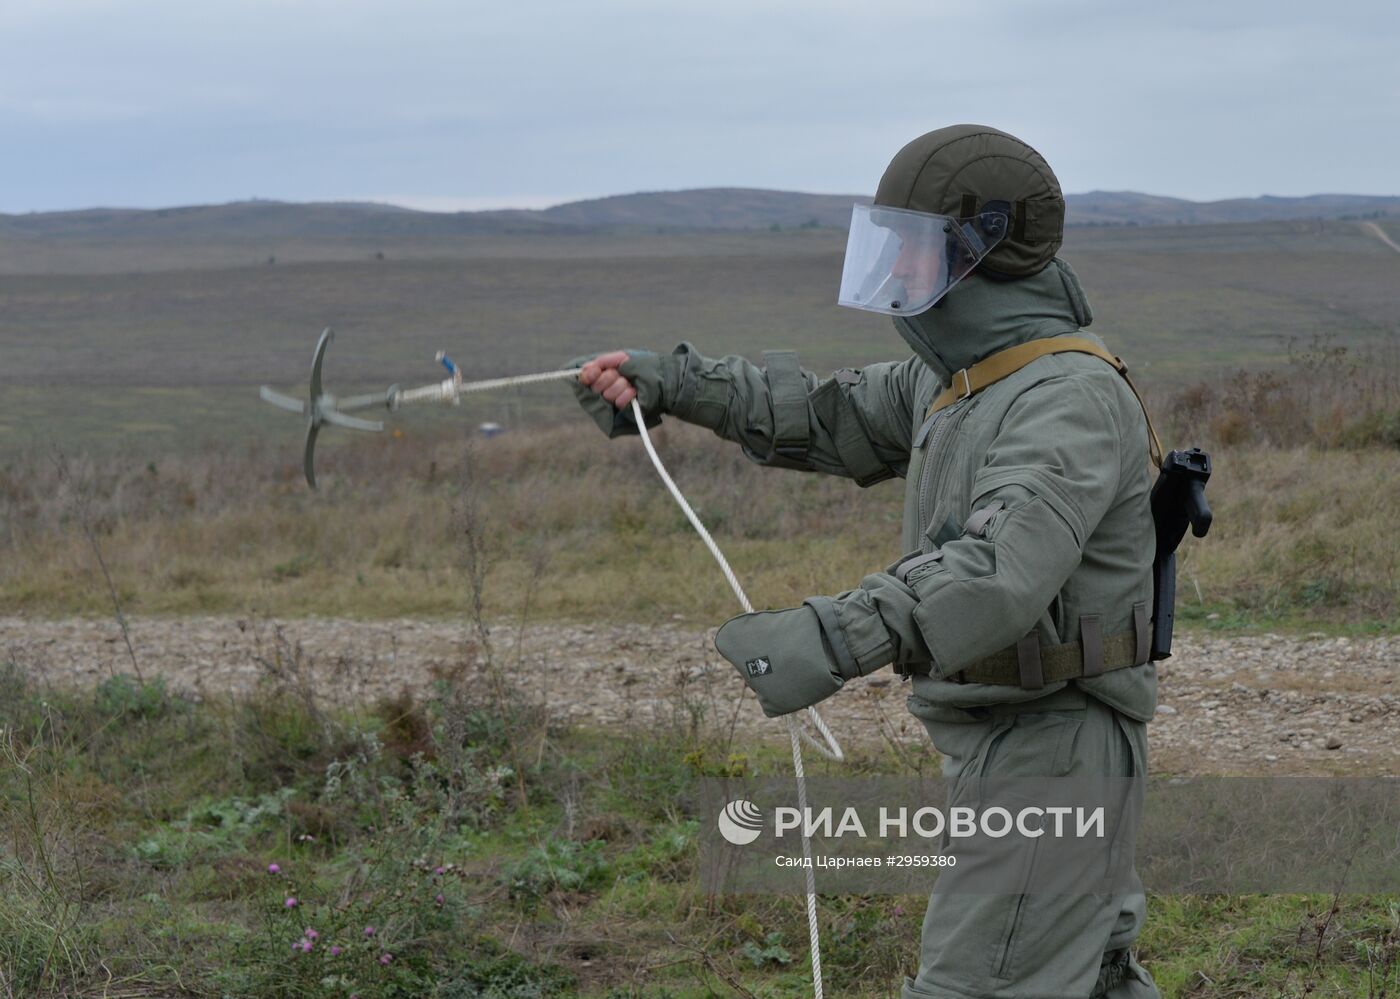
1305	462
137	466
1267	342
465	846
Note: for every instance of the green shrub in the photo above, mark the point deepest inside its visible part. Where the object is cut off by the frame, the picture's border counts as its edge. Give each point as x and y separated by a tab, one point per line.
126	696
559	865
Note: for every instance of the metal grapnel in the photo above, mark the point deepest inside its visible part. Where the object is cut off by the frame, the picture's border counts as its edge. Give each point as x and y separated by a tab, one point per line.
323	407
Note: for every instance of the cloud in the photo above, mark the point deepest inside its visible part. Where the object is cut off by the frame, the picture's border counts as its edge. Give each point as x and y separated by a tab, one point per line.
172	102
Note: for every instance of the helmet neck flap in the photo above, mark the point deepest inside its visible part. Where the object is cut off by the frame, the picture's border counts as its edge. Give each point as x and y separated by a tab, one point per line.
980	316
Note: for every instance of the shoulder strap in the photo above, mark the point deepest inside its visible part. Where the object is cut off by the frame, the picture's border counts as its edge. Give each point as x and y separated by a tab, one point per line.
992	369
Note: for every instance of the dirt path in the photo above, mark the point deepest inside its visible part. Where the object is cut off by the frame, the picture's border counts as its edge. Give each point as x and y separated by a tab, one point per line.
1228	705
1381	234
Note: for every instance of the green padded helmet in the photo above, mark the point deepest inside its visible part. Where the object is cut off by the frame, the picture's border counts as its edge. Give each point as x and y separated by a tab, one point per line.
959	169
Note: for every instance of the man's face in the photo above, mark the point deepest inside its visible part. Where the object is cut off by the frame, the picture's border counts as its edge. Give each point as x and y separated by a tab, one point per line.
900	261
919	267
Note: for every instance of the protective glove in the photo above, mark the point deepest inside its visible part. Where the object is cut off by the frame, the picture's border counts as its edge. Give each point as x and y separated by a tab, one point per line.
653	375
791	658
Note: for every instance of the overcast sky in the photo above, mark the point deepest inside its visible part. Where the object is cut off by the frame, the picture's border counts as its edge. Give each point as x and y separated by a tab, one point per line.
466	104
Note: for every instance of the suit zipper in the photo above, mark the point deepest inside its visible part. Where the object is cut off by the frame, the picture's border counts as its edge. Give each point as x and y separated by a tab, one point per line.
1008	947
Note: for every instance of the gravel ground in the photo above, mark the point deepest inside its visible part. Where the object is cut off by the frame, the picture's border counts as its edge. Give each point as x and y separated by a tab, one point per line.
1266	704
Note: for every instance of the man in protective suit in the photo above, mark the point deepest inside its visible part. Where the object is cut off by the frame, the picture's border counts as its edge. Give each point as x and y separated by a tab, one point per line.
1019	610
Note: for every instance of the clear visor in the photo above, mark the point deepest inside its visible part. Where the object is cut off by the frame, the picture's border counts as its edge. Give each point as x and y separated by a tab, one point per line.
900	262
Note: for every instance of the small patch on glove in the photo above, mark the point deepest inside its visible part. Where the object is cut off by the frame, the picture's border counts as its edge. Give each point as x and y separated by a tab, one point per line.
759	667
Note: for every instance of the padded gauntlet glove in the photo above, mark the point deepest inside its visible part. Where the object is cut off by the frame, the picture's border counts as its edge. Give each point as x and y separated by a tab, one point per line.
657	379
791	658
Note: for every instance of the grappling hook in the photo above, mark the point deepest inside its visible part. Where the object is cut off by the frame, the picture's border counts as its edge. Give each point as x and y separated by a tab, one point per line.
322	407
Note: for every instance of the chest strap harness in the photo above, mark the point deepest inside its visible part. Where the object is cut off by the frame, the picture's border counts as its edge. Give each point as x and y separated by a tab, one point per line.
1004	363
1028	664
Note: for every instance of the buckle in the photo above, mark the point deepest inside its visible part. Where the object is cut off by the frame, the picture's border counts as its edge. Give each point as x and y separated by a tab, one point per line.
790	452
966	389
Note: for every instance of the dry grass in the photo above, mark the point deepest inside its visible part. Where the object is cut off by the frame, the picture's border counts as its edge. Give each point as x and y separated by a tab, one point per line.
1328	396
1306	460
1303	492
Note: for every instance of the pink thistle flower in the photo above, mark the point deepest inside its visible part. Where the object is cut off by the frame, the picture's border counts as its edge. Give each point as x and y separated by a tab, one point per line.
291	902
273	869
440	900
439	871
335	950
369	931
306	946
385	958
311	934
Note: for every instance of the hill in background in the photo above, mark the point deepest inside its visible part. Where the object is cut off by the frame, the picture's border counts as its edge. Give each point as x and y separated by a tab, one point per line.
738	208
1132	208
706	208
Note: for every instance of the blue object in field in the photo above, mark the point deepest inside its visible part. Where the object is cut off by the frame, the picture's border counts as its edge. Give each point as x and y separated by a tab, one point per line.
447	363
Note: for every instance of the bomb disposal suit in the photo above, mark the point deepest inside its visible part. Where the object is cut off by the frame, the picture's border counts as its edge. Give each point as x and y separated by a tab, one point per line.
1019	610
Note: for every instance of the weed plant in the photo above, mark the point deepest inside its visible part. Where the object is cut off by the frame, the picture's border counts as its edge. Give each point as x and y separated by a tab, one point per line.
1303	491
389	852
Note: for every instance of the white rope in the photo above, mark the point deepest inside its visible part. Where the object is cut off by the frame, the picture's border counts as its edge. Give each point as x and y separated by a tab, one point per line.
795	730
494	383
832	749
450	388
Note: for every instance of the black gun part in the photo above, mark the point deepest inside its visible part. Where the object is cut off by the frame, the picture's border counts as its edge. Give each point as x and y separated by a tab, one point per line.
1178	500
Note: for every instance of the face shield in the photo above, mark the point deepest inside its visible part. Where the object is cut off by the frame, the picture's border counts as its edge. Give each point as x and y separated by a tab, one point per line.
900	262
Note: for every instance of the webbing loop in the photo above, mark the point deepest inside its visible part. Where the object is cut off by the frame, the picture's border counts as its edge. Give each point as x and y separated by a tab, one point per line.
788	391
